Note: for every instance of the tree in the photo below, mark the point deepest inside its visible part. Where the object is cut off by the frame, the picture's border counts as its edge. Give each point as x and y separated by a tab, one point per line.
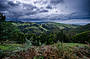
8	31
82	37
62	37
2	17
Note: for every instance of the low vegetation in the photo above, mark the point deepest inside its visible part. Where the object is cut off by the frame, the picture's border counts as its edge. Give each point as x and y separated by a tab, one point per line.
55	51
44	40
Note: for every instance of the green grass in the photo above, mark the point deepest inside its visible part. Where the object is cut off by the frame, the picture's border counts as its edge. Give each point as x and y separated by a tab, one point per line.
9	47
12	47
73	44
43	28
32	27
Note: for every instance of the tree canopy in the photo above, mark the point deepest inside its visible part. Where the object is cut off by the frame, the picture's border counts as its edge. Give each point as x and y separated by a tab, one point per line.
2	17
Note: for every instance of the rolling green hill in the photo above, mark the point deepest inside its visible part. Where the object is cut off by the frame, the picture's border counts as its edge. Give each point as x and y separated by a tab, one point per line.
21	30
79	29
31	27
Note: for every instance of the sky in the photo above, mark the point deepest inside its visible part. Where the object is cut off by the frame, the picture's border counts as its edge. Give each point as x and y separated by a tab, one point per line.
61	11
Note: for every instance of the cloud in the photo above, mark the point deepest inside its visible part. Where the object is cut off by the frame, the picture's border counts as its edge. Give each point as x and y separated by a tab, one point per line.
45	9
75	21
3	5
6	4
55	2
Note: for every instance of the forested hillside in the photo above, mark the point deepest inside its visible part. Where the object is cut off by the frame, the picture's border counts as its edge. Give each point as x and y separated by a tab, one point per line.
18	40
28	27
20	30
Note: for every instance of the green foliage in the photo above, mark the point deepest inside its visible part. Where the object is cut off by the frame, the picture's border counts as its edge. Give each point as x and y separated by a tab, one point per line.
9	47
43	38
62	37
63	50
28	27
28	44
7	30
73	31
83	28
73	50
83	37
56	51
10	32
20	37
30	34
43	33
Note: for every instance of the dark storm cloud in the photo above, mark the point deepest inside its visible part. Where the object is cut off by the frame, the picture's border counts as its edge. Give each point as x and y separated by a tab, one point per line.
87	7
56	1
46	10
10	3
49	7
80	8
29	6
5	5
79	5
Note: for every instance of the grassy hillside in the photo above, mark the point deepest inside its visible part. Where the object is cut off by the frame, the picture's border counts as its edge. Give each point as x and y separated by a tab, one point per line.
79	29
28	40
43	40
30	27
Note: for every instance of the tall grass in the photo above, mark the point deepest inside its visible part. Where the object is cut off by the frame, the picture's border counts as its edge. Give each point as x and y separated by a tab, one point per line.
57	51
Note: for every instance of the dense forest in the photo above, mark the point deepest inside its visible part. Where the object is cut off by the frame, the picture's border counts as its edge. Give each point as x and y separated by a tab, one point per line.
42	33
